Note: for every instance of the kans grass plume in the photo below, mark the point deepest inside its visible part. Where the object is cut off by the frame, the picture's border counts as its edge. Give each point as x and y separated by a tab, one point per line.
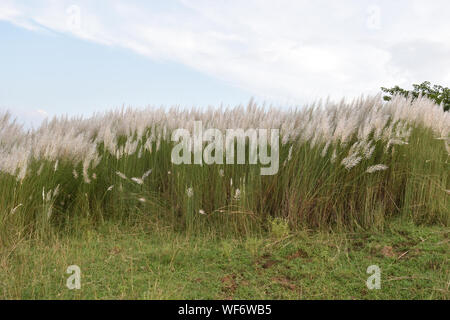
327	150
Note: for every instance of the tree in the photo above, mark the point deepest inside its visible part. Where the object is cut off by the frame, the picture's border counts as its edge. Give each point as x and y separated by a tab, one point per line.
437	93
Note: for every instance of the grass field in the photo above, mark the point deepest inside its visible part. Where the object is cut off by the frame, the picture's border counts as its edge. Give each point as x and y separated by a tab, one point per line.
141	262
358	184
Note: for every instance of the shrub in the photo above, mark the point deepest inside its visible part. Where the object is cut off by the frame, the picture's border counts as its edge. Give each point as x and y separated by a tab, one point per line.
437	93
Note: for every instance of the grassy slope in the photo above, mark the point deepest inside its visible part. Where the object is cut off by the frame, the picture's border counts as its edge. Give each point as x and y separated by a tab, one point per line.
144	263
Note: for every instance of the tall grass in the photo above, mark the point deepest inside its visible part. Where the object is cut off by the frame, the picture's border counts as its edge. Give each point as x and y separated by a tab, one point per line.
342	165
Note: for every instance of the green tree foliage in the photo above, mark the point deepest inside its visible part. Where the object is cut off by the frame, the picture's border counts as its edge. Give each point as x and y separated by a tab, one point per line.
437	93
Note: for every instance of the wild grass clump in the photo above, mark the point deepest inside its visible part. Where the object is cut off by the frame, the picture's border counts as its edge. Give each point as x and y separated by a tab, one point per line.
342	165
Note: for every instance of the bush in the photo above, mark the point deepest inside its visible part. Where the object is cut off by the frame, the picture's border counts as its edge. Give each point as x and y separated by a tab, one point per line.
437	93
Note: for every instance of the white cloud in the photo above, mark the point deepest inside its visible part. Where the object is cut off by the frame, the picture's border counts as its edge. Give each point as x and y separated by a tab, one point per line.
285	50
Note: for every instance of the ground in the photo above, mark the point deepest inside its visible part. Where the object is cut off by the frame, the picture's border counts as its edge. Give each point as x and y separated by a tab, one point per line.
135	263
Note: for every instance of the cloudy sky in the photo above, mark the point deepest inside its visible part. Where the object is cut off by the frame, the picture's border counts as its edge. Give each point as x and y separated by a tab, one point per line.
83	56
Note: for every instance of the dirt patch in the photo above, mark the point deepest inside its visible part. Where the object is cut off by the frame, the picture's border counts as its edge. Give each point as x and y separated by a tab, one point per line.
114	251
269	264
229	285
388	252
300	253
285	282
266	261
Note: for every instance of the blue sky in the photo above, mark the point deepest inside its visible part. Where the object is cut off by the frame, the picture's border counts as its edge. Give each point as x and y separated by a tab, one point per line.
55	73
81	56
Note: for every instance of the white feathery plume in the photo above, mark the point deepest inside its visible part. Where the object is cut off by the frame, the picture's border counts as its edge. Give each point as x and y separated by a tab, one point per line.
377	167
334	156
146	174
56	191
237	194
15	208
351	161
138	180
41	167
48	197
76	140
86	164
290	154
121	175
325	149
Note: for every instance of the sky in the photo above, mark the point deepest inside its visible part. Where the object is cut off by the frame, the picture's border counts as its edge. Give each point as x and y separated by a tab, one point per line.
80	56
